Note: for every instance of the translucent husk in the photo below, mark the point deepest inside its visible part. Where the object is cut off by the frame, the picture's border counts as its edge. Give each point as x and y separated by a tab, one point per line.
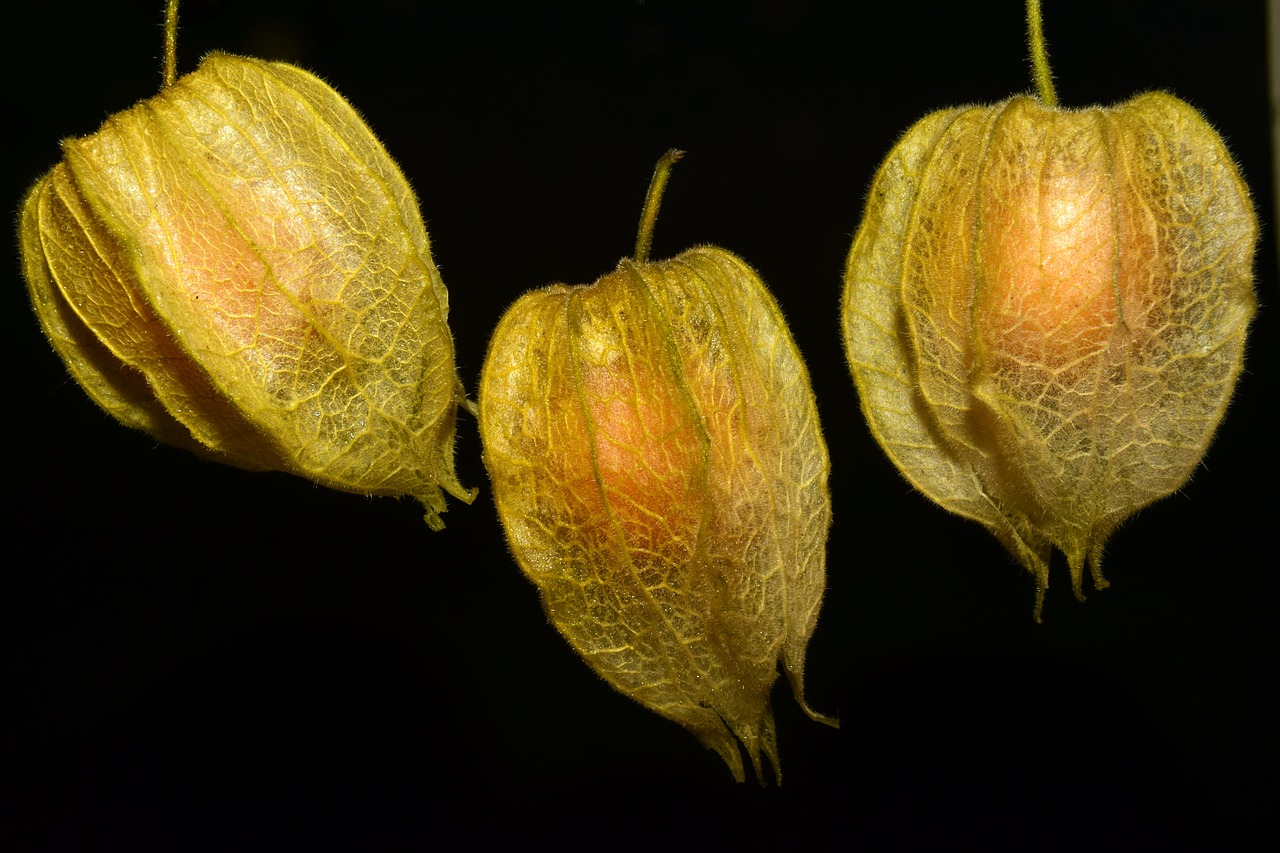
657	463
237	267
1045	313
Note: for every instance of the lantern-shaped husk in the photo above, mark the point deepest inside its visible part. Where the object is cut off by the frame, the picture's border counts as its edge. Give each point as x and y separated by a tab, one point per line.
657	462
237	267
1045	313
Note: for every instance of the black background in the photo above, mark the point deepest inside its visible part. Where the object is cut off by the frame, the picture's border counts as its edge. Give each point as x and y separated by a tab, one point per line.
197	656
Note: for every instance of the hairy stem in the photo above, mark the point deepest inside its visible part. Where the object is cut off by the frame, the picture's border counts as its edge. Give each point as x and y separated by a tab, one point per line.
1040	55
170	42
652	201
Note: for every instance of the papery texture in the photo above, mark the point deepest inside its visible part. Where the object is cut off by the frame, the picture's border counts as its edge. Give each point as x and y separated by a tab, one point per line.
658	466
1045	313
238	267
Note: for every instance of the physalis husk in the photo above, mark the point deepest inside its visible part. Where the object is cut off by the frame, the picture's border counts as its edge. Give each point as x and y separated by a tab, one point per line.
658	465
1045	313
237	267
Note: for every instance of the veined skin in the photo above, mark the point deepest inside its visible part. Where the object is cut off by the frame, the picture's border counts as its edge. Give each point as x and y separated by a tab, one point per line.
237	267
657	463
1045	314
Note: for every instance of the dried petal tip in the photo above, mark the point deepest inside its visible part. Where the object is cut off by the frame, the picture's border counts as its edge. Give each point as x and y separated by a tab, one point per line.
1045	313
657	463
237	267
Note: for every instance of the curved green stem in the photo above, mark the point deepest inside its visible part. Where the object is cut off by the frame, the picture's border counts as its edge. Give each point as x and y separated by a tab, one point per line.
170	42
1040	55
652	201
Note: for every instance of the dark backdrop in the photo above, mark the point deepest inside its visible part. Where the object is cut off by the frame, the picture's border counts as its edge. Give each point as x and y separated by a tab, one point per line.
196	655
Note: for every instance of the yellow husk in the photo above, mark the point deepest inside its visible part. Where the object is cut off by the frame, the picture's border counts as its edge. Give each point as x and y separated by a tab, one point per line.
1045	313
238	267
658	466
